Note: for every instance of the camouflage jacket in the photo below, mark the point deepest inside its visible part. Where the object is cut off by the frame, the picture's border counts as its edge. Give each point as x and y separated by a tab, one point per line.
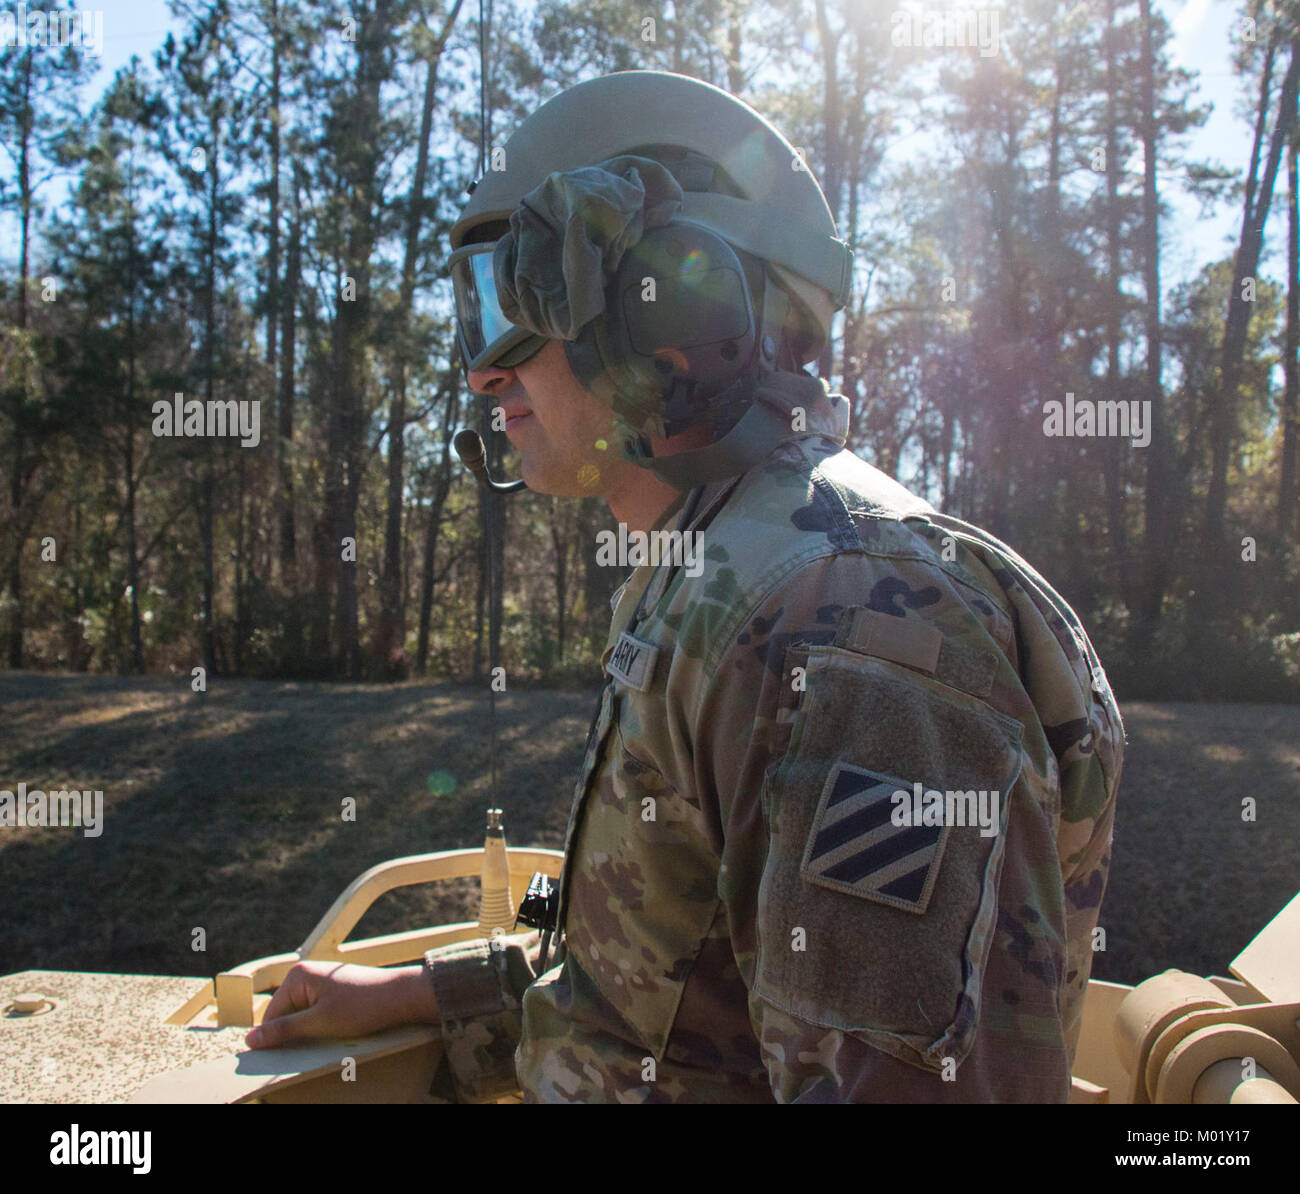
843	825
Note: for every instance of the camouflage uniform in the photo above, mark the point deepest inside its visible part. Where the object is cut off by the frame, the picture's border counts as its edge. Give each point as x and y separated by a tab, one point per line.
744	917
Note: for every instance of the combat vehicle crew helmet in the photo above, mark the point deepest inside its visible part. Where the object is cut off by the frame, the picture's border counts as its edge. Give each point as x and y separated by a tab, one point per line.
668	235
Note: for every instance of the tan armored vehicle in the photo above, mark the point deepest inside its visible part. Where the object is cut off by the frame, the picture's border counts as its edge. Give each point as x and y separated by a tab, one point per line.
99	1038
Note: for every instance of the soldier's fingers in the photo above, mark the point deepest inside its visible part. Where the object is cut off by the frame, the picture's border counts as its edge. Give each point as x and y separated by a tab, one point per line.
284	1030
296	994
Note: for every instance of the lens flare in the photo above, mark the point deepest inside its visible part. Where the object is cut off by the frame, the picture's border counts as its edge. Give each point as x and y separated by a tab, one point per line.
441	783
692	259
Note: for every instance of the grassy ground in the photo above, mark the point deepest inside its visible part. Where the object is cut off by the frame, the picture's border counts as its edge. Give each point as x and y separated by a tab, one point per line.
226	813
223	812
1191	882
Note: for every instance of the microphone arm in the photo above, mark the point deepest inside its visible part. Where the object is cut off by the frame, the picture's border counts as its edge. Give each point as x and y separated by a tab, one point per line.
469	447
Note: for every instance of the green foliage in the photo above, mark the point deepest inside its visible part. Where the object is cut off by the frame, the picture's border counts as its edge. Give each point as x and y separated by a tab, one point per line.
1246	659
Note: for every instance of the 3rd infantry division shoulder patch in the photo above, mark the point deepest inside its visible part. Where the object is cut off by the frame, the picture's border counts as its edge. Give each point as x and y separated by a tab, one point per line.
864	840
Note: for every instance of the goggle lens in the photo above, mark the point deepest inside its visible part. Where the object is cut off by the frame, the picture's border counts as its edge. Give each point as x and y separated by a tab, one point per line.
486	335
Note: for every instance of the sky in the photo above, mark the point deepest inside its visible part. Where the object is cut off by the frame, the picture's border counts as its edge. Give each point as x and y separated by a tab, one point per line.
1201	44
130	27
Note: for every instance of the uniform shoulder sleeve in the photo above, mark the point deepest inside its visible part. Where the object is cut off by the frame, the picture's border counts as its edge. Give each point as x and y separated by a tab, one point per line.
869	808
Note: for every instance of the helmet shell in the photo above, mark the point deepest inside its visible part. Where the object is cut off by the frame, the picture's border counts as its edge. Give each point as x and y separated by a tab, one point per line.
778	211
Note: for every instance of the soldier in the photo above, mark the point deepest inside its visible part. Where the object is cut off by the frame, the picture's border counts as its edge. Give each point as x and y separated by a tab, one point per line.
844	820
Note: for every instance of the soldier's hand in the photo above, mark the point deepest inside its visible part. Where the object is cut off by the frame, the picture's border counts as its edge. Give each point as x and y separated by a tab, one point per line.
334	999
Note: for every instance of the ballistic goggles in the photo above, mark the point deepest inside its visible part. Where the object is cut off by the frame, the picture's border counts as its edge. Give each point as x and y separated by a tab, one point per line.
486	336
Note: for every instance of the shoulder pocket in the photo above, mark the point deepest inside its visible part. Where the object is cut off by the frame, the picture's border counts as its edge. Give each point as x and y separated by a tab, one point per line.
887	828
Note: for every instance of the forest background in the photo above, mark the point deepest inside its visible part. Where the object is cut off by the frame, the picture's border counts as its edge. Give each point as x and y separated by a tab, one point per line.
258	210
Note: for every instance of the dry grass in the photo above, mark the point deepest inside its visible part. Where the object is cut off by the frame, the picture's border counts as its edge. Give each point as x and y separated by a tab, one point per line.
1191	882
223	812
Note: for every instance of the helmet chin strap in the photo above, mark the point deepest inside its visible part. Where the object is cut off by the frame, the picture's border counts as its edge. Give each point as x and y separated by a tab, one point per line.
761	428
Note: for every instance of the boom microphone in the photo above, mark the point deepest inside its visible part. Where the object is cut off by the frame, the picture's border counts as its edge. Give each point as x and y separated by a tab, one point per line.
469	447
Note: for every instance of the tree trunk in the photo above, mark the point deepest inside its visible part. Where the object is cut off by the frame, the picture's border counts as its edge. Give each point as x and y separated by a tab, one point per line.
273	216
831	119
560	540
288	549
1053	357
392	620
1003	368
16	480
342	528
1286	495
132	554
434	523
207	490
1114	449
481	586
25	191
15	577
497	544
735	76
79	653
352	326
1223	424
1156	526
245	563
490	595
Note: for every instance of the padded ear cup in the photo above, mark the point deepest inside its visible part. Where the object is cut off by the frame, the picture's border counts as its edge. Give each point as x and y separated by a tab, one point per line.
678	329
634	397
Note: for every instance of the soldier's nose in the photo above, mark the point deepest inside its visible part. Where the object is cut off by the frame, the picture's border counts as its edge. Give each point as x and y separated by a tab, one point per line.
488	381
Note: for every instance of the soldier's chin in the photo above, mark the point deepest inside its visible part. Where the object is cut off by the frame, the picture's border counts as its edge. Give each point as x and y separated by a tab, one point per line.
560	480
538	476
